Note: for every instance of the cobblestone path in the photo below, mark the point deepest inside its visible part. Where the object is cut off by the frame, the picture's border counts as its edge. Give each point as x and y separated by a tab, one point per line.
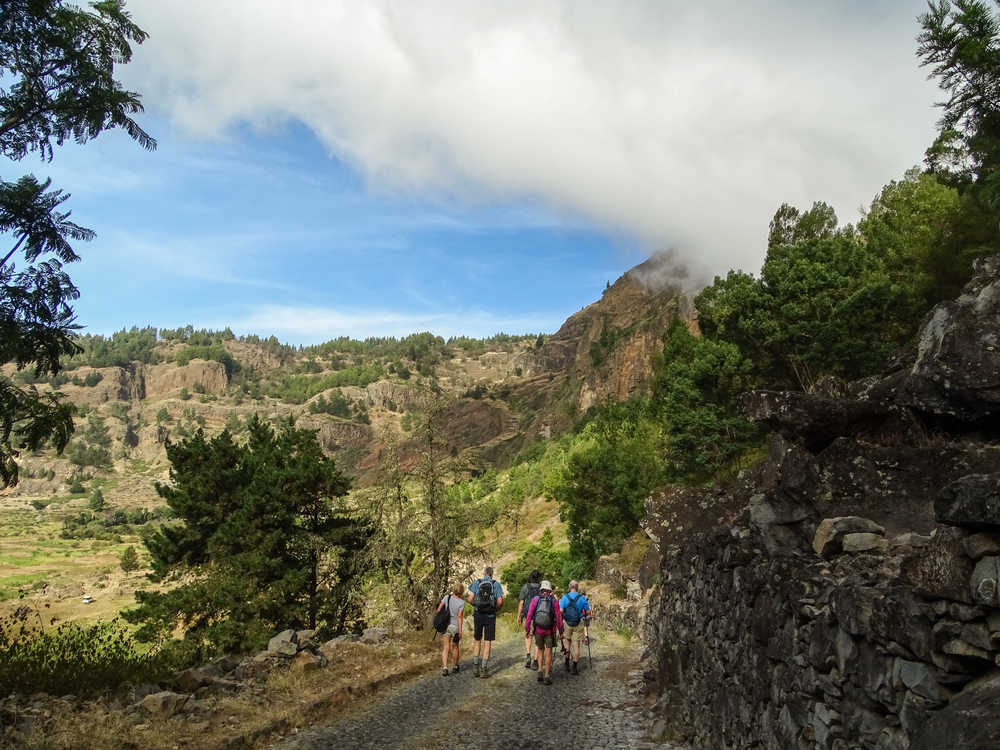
600	708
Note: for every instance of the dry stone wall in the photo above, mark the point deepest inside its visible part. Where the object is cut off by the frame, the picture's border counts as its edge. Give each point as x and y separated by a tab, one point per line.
846	592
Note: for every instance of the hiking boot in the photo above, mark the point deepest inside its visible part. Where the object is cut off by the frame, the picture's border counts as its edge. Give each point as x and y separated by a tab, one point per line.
527	661
576	669
534	664
548	680
567	663
455	668
541	677
444	672
484	672
475	670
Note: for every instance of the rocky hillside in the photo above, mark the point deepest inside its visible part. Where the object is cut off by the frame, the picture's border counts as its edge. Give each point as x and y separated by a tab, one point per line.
504	393
844	593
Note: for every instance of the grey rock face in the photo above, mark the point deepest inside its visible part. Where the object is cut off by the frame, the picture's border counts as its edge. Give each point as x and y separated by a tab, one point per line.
973	502
831	533
957	368
284	643
165	703
985	582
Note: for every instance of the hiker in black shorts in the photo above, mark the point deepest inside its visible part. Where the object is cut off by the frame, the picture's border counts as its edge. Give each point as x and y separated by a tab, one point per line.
486	596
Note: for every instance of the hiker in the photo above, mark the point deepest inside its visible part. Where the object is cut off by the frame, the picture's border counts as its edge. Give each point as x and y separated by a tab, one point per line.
528	592
486	596
455	604
575	612
542	622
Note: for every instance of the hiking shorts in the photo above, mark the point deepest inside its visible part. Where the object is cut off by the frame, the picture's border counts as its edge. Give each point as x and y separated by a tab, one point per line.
548	640
486	627
574	633
452	632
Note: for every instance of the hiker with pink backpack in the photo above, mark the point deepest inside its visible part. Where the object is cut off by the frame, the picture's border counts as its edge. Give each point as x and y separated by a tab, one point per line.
542	621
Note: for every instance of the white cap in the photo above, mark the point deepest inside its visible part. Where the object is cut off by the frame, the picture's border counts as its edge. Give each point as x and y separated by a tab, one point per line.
546	586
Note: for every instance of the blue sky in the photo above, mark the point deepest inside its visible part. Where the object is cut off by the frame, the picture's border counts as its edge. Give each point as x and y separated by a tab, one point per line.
270	234
377	168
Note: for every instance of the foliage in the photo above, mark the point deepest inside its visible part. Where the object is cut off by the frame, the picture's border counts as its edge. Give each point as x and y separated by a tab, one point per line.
117	350
56	82
96	501
823	305
129	559
553	564
94	447
70	658
695	390
612	464
209	352
297	389
262	541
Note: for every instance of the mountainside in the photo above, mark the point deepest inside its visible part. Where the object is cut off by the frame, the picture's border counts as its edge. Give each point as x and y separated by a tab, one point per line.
504	393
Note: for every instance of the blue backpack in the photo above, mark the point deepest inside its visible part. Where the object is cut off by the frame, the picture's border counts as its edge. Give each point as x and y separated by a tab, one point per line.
571	615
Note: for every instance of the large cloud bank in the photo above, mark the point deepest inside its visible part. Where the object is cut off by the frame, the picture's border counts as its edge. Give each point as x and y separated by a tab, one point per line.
681	124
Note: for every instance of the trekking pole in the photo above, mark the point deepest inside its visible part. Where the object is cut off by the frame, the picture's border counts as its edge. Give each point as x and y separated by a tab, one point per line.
586	638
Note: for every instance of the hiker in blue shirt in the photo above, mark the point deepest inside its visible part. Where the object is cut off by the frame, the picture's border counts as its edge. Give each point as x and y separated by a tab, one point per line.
486	596
576	612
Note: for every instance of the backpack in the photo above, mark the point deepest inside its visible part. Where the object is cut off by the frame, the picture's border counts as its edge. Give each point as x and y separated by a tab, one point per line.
442	619
543	616
530	592
486	602
572	616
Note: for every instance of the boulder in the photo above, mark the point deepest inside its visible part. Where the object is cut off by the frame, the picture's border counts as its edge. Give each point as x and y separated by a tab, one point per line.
284	643
985	582
191	679
864	542
956	372
971	721
810	419
829	537
972	501
979	545
165	704
306	662
374	636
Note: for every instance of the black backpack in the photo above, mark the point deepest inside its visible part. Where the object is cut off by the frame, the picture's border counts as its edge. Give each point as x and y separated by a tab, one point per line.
486	602
543	616
531	589
572	617
442	619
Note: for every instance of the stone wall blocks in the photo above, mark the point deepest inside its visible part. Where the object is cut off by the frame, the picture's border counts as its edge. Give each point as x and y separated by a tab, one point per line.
829	537
981	544
985	582
972	502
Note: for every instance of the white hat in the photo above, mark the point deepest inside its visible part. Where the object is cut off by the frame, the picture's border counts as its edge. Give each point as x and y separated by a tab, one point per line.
546	586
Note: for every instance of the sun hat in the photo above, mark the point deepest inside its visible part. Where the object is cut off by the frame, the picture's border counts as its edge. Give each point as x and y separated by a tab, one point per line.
545	586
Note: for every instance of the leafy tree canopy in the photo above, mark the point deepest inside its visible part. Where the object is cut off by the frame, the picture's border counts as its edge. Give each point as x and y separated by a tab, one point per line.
263	541
56	82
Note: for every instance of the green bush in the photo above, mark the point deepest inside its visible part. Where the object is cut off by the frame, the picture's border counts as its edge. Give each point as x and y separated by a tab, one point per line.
71	658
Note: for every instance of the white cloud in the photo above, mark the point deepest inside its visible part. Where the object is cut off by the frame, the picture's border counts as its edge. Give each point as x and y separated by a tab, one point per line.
683	124
317	324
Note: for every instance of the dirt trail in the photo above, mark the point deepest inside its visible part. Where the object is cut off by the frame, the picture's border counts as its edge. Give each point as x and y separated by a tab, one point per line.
599	708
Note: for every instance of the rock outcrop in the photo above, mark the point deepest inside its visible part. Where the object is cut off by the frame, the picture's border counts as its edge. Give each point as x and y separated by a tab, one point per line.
846	592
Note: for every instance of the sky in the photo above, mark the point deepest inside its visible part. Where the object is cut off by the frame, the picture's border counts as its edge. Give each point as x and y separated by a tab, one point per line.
378	168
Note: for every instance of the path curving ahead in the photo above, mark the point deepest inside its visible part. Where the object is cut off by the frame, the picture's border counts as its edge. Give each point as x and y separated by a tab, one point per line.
599	709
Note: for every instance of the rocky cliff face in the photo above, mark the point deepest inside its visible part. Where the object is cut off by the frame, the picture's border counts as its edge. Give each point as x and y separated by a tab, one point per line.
844	594
608	347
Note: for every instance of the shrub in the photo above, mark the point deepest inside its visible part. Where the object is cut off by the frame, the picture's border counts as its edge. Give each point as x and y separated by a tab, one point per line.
71	657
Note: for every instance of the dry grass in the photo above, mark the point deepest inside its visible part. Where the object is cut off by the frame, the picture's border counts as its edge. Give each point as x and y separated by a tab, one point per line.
253	718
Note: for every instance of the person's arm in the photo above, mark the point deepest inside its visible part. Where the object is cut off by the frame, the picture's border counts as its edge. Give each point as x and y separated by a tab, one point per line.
520	610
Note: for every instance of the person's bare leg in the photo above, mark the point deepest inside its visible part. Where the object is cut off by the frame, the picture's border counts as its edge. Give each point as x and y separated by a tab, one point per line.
445	646
547	661
454	651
